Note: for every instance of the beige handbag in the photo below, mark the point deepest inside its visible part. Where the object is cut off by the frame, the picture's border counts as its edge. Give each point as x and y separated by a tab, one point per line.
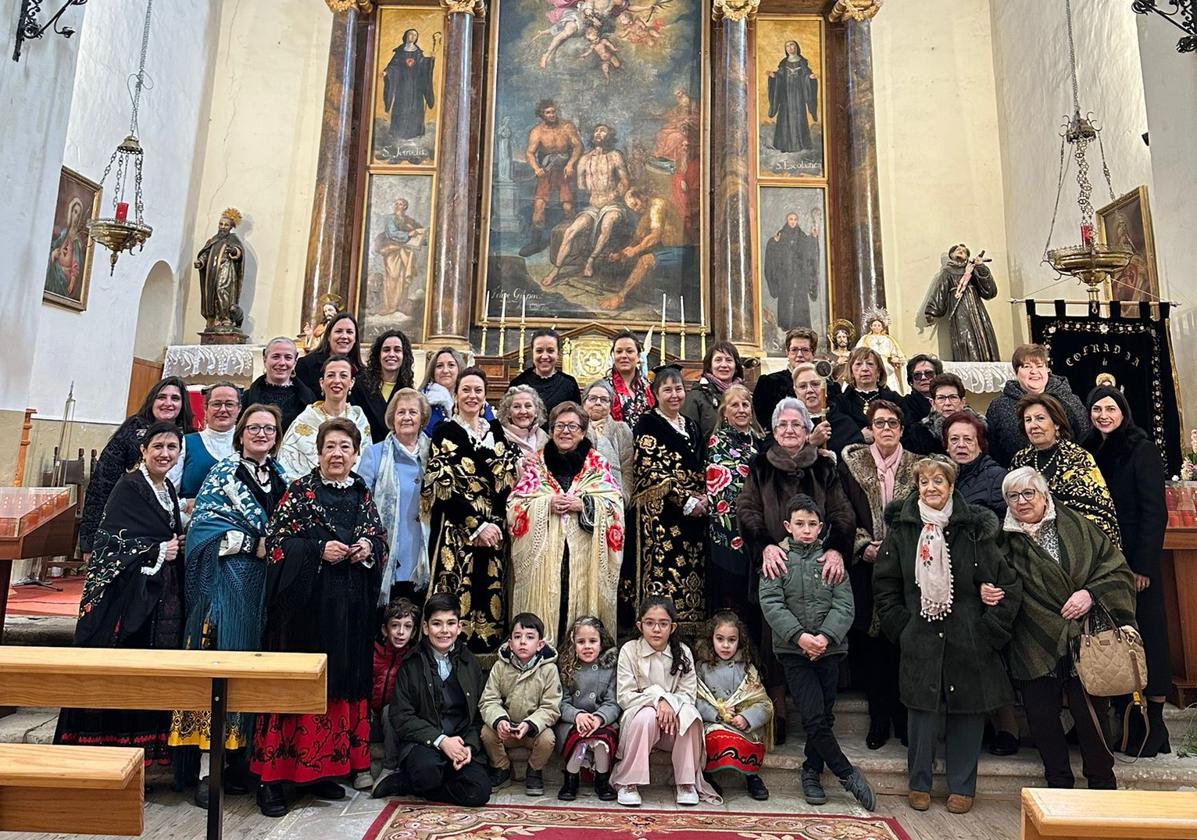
1110	662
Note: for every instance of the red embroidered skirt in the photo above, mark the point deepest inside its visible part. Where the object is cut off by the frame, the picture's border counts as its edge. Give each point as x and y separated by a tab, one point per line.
728	749
308	748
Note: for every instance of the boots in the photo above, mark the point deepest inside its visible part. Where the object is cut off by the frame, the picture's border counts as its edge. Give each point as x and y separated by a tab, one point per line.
569	788
602	787
1155	741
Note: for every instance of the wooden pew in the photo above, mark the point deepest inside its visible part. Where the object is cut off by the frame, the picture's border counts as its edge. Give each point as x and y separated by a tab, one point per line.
219	681
73	790
1090	814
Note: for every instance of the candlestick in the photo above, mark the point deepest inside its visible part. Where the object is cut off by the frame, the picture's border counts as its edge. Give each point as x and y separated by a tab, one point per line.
521	345
682	330
503	325
523	311
122	211
482	351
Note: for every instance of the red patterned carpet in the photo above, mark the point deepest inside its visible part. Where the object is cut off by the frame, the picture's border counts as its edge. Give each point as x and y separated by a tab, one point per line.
423	821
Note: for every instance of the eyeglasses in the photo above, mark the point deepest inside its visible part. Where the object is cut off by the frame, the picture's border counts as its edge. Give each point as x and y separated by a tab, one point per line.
790	424
567	427
947	398
598	398
232	405
258	429
1027	495
887	423
650	624
923	374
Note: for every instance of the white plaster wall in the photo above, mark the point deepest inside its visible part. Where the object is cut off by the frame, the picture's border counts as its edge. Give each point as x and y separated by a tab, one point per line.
35	101
938	158
99	342
263	136
1170	86
1030	58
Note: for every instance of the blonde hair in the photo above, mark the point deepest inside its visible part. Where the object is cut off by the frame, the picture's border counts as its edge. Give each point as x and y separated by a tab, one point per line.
412	395
929	466
737	390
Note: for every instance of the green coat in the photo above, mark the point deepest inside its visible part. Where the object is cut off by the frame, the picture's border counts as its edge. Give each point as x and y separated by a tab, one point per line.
800	602
955	661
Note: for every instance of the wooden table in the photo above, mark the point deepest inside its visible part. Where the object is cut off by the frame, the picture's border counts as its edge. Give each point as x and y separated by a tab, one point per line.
51	538
1179	567
1123	814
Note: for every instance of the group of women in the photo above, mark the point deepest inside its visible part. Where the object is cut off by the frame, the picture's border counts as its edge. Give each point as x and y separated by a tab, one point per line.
968	581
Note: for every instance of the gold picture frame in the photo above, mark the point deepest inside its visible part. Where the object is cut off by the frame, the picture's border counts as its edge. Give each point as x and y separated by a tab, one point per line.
68	264
1126	221
771	37
424	75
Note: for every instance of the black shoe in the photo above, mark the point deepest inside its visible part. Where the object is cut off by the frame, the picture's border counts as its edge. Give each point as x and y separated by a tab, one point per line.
569	788
779	731
534	782
1156	742
718	788
391	784
201	794
1004	743
326	789
756	787
499	778
857	785
602	787
812	787
878	734
272	802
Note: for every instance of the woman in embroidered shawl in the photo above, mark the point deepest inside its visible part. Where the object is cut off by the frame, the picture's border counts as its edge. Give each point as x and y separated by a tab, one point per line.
729	452
873	475
226	573
132	594
471	469
938	551
394	471
566	522
629	379
1065	565
1071	472
671	502
299	453
325	544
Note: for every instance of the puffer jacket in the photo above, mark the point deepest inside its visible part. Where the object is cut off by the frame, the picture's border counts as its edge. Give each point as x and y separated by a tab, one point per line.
799	601
516	694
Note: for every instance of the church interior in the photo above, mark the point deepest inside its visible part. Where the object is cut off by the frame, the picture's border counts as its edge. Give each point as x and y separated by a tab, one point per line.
187	181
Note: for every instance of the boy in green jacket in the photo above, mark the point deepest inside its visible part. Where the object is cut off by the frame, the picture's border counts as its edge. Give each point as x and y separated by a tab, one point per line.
810	620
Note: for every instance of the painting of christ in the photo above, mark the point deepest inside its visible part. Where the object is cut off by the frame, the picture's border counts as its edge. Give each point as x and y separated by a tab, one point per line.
789	83
595	159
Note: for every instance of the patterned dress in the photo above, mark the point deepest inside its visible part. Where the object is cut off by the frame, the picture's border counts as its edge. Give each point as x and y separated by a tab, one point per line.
672	546
465	487
1075	480
728	454
631	402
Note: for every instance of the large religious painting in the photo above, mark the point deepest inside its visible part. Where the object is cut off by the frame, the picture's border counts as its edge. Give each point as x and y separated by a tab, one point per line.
396	254
793	262
68	263
1126	223
790	97
407	85
595	160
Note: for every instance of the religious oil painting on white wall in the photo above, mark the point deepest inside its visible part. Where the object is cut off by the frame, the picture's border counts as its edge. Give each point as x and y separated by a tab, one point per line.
1126	223
790	97
68	264
793	262
407	78
595	154
396	256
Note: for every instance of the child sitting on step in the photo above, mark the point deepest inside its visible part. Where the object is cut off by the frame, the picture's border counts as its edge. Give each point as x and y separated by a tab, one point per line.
586	733
734	705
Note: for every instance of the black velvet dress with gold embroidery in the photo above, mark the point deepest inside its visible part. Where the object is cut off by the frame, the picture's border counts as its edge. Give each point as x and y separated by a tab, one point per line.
466	484
672	546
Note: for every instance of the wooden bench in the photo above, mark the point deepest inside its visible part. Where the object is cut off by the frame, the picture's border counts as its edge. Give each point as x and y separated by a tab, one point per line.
73	790
1130	814
197	680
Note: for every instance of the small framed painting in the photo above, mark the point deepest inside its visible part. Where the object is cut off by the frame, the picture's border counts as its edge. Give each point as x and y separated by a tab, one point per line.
1126	223
68	264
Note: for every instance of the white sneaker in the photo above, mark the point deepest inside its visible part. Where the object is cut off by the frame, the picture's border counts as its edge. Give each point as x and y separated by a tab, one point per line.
687	795
629	795
363	781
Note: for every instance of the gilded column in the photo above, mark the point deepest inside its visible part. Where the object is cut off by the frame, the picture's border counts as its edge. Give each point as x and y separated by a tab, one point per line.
733	297
864	204
329	246
449	312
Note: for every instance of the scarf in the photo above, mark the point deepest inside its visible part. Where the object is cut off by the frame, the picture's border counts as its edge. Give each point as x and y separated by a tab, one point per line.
933	564
386	498
720	387
624	395
887	469
749	693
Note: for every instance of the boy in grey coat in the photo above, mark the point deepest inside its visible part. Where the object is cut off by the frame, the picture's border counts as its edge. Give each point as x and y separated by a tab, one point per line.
810	621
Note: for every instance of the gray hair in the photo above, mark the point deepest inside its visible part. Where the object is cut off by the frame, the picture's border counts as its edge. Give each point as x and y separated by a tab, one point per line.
792	404
599	383
1025	478
503	412
279	339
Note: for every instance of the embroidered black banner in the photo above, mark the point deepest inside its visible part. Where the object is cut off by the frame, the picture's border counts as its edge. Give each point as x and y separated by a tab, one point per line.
1129	348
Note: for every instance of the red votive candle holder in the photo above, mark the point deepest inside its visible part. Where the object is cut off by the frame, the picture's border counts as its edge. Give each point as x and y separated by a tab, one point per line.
122	211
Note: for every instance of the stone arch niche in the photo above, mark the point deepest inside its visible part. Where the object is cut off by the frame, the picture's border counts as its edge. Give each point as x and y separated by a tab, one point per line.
154	331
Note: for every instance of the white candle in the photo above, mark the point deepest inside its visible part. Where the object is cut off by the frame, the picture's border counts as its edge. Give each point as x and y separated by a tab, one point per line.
682	307
503	310
523	308
702	312
662	311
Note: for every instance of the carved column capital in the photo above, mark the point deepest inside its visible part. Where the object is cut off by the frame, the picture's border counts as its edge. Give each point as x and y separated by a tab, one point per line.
857	10
477	8
734	9
364	7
